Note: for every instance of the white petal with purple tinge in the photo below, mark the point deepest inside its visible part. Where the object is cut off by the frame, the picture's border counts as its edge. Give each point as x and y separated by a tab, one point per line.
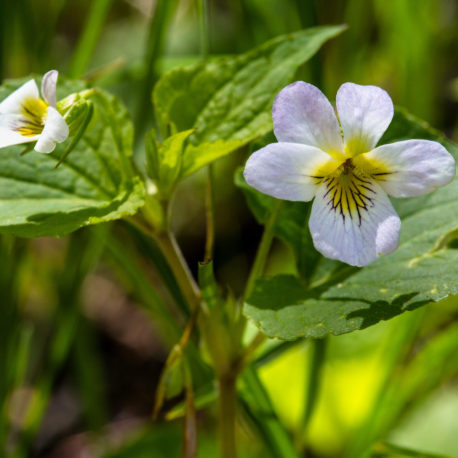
416	167
365	112
286	170
351	238
48	87
55	130
302	114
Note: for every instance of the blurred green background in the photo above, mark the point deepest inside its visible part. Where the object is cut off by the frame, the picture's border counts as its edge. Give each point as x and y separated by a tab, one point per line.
81	344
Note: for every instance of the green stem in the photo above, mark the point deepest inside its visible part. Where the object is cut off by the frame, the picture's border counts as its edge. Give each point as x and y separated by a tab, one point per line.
250	350
318	348
190	448
258	268
227	416
171	252
88	40
180	269
209	198
204	30
263	249
209	215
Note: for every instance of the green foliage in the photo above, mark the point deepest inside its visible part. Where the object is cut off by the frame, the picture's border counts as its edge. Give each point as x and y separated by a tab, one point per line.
210	290
221	323
386	450
218	105
94	184
163	161
172	380
229	100
419	272
259	410
165	442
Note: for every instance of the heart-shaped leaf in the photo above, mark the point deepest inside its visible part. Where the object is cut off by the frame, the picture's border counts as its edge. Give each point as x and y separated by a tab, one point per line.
229	100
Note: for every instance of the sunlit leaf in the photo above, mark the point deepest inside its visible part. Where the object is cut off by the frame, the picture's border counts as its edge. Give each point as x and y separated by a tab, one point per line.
163	160
229	100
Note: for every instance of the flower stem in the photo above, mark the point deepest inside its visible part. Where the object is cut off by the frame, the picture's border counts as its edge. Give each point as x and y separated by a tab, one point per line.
227	415
180	269
209	215
202	6
88	39
263	249
204	33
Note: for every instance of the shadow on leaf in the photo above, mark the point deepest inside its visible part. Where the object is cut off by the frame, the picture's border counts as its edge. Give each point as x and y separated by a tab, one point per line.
382	310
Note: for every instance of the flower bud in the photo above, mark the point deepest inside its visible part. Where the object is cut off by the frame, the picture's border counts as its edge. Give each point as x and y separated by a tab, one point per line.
74	109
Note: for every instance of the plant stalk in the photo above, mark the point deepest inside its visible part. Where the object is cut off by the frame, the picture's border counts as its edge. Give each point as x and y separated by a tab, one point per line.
263	249
227	415
203	26
202	6
180	269
209	215
159	23
88	39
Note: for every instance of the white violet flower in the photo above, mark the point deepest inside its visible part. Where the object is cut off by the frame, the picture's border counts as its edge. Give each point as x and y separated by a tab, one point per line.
25	117
352	219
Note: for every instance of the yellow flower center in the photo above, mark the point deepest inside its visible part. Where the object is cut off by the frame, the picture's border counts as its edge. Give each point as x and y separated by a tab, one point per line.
355	147
351	185
35	112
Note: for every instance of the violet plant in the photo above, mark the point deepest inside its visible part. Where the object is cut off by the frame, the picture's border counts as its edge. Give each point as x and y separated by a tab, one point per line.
205	112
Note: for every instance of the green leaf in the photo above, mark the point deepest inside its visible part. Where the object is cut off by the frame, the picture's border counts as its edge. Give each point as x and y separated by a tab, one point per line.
422	270
204	396
197	156
171	382
94	184
229	100
433	362
163	160
386	450
210	290
78	125
258	408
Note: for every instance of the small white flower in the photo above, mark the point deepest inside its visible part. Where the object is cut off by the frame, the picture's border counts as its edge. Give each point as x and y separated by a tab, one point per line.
352	219
25	117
